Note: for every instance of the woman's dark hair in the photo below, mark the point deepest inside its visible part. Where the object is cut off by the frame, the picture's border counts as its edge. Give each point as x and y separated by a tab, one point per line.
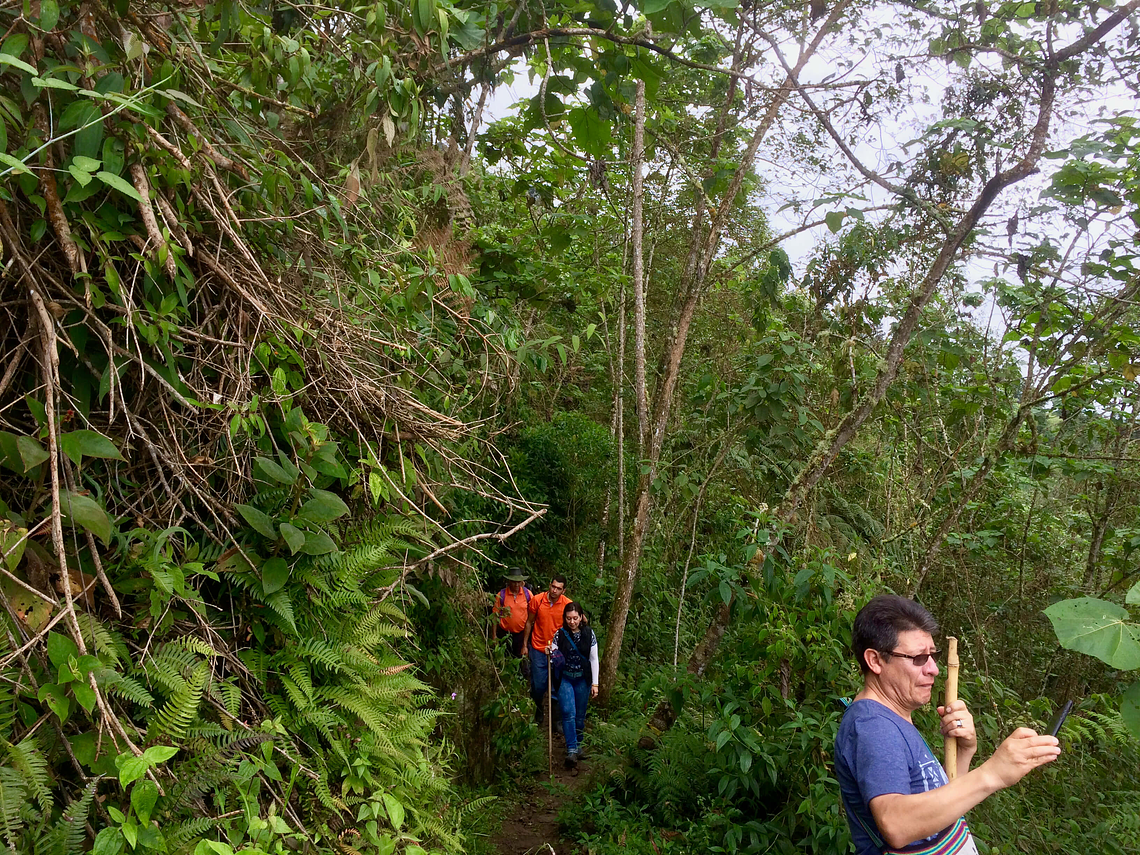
571	607
878	624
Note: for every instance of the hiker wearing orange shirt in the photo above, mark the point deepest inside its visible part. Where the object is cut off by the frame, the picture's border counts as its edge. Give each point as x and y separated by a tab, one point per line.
545	618
511	606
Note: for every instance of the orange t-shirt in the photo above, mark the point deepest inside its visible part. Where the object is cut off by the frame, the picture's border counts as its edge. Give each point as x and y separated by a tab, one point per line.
512	608
547	618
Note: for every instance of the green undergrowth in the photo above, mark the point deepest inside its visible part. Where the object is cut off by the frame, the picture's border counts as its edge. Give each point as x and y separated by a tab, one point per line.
290	719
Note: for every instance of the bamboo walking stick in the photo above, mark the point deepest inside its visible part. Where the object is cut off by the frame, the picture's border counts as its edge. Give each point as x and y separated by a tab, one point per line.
951	742
549	719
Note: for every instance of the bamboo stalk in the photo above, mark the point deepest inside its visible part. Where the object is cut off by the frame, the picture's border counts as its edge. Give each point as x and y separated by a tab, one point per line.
951	742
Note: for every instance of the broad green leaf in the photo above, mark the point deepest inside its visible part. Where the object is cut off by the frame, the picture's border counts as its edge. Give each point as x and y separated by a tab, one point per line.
84	694
84	178
119	184
16	166
395	810
323	507
652	7
272	470
56	699
53	83
31	452
1133	595
13	540
143	796
1098	628
8	59
834	220
294	537
274	575
130	768
60	648
49	15
318	543
178	95
159	754
109	841
86	512
78	444
326	463
1130	708
87	164
259	521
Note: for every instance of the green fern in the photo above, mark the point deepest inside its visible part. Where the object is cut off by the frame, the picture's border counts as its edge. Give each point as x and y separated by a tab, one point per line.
177	714
66	836
132	690
29	761
13	796
180	836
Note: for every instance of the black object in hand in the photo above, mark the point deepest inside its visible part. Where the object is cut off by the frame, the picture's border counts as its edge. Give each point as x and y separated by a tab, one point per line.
1059	718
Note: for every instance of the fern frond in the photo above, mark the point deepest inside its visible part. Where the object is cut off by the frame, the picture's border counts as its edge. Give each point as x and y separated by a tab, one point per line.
132	690
188	832
231	697
30	762
105	642
196	645
178	713
12	798
170	666
317	650
280	603
70	830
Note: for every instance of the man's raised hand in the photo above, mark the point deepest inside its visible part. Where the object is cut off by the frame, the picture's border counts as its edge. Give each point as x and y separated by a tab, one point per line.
1022	752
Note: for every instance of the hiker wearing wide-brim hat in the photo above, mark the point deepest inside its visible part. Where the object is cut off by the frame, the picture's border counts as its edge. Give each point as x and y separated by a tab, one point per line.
511	607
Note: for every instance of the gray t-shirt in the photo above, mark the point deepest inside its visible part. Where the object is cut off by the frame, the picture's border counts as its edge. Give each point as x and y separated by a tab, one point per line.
878	752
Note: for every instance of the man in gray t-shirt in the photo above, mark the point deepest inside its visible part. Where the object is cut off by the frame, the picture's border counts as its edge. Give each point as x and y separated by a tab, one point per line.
895	792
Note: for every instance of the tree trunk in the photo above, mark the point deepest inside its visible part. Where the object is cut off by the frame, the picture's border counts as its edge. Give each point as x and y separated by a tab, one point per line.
620	609
702	250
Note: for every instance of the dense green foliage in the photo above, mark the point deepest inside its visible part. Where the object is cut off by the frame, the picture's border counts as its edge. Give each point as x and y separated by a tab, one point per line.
301	347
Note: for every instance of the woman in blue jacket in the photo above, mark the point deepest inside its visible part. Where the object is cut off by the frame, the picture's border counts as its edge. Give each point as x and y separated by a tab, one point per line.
579	647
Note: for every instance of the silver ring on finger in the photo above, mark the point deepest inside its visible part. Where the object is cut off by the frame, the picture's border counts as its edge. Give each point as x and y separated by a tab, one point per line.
957	722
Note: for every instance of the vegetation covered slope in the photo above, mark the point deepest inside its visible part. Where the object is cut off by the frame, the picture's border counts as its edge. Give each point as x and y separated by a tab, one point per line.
290	340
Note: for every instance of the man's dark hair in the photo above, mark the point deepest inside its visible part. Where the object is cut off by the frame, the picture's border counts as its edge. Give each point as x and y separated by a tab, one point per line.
561	579
878	624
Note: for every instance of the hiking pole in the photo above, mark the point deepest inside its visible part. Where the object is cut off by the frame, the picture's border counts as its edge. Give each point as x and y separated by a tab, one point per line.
549	719
951	742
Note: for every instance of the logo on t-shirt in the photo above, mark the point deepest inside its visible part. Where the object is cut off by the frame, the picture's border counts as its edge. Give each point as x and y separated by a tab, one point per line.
932	775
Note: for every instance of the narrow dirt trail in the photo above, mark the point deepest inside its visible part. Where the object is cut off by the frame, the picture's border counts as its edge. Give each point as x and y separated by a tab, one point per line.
530	823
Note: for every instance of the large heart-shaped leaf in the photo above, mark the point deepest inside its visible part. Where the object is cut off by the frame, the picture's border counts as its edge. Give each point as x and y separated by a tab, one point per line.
1098	628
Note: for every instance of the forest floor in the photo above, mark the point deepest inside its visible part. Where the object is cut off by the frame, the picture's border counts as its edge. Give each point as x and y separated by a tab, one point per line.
530	824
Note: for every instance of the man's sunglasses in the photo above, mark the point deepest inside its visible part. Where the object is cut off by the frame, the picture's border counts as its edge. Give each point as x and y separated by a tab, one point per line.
918	659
